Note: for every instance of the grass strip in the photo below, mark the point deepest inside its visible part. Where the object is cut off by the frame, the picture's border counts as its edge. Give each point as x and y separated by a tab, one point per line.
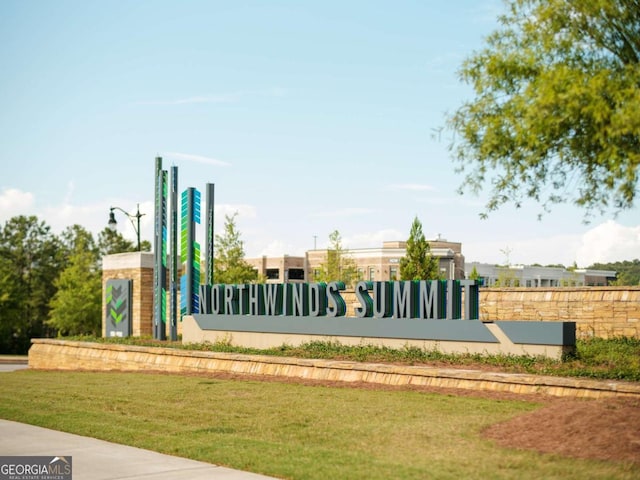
288	430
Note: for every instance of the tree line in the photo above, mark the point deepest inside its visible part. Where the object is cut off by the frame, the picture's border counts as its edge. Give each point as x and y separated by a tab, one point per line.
51	284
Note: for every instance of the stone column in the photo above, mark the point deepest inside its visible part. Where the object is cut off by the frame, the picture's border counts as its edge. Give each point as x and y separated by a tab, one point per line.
137	266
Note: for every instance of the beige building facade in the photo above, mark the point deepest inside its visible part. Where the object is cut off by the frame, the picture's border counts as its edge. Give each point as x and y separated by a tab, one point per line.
372	264
536	276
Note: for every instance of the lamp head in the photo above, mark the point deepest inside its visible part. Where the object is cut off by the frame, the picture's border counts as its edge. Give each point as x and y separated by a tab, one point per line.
112	220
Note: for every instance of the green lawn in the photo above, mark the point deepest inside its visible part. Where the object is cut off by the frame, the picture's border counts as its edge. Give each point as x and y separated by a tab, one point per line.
288	430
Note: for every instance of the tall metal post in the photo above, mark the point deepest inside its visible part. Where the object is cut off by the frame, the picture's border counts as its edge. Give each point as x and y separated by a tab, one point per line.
160	254
173	270
210	234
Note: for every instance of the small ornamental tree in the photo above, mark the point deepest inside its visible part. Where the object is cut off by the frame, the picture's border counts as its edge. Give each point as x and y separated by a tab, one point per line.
230	266
418	263
339	265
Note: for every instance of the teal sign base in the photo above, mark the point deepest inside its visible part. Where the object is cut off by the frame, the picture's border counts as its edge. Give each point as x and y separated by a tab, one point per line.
538	333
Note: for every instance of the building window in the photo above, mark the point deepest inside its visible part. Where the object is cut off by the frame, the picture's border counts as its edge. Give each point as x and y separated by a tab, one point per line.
273	273
372	274
296	274
393	273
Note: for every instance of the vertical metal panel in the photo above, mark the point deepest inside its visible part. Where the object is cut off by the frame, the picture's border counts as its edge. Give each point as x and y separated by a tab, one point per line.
173	271
209	232
190	252
160	272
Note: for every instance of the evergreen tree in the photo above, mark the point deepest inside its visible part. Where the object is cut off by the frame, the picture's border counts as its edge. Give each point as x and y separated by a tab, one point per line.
474	275
111	241
230	266
418	263
30	261
76	307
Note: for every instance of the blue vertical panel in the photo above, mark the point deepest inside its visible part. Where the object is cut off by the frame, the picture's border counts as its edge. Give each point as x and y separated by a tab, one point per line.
190	249
184	222
195	277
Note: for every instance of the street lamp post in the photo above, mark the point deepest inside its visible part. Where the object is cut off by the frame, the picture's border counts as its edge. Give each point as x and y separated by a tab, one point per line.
136	226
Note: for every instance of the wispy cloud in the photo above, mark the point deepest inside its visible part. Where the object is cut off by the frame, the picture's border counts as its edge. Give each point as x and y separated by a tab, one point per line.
196	158
344	212
222	98
413	187
231	97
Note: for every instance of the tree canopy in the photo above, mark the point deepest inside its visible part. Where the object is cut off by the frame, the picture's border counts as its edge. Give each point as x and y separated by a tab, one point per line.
50	284
30	261
418	263
628	271
555	116
76	307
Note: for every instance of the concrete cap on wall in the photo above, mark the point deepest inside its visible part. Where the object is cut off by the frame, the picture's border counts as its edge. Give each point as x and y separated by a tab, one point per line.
123	261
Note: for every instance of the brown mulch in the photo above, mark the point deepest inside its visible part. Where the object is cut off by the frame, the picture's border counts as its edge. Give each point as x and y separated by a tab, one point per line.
606	429
597	429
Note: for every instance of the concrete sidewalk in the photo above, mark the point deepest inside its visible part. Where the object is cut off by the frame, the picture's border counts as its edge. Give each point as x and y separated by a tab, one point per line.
99	460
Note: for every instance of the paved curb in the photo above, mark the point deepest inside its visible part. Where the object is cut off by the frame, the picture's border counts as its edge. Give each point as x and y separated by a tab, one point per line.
14	359
69	355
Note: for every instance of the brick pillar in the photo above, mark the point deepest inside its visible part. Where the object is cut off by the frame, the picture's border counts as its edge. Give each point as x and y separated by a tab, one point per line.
137	266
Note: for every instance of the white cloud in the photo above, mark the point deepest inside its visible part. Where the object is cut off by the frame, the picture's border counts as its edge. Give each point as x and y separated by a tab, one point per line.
15	202
609	242
278	248
243	211
373	239
556	249
196	158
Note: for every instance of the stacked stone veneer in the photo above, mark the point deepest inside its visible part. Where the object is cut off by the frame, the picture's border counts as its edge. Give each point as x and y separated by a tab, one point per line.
598	311
65	355
136	266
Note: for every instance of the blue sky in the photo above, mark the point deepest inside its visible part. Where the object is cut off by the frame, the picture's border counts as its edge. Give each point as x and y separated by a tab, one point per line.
309	117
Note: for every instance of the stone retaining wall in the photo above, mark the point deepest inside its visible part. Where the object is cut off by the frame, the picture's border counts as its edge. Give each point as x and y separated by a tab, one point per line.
67	355
598	311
